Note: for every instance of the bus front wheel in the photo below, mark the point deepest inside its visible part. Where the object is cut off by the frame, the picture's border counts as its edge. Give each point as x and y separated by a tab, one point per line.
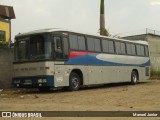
74	81
134	78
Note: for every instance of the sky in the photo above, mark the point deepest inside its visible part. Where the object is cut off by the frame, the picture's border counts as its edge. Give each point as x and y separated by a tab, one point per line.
122	16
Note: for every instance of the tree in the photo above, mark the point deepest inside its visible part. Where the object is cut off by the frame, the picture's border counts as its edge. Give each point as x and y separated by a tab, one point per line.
103	30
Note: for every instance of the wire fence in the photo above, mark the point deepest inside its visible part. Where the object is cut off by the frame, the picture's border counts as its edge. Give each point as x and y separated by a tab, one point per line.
153	32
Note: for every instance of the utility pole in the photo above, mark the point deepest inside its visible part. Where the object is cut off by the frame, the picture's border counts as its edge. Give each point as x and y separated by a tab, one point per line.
103	30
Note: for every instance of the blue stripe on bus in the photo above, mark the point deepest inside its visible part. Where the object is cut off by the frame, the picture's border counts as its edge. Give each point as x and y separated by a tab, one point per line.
92	60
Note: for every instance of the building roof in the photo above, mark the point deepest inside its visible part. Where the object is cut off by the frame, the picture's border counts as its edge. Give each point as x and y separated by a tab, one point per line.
7	12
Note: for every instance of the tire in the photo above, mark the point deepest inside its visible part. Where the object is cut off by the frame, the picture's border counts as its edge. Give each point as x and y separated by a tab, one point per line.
74	82
134	78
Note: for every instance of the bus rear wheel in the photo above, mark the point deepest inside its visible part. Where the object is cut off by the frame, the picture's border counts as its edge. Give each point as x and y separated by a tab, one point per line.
74	82
134	77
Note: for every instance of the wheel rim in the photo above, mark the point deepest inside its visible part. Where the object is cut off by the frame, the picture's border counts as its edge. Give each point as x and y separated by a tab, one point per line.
75	82
134	78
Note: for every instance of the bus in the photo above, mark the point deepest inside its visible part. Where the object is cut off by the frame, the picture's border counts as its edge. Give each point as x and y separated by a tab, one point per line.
53	58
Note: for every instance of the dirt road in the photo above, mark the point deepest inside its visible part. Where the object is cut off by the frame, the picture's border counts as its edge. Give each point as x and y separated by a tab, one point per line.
116	97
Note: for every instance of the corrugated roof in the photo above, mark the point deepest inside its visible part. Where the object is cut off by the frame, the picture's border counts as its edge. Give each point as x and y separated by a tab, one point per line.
7	12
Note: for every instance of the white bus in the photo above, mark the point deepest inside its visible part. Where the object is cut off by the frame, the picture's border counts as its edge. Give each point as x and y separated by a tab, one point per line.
53	58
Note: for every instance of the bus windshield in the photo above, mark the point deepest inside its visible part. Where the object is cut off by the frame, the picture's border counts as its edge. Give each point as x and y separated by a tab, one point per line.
34	47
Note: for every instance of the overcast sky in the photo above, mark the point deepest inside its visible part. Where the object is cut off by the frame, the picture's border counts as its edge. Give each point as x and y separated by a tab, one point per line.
122	16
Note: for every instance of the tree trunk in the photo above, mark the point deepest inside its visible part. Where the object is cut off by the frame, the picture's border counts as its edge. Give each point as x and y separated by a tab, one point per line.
103	30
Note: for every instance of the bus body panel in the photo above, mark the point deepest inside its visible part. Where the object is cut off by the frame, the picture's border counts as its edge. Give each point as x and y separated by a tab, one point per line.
108	72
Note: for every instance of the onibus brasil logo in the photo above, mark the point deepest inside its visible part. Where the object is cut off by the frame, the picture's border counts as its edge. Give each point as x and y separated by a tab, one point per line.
21	114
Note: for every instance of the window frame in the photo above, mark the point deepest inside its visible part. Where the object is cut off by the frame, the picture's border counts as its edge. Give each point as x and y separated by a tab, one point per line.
77	35
137	50
100	45
125	48
146	51
79	42
94	38
88	44
130	48
107	41
4	33
110	40
70	42
143	55
116	43
54	34
120	42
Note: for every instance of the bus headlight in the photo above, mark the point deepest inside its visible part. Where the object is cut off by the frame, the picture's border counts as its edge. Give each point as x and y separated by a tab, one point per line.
44	80
39	80
17	81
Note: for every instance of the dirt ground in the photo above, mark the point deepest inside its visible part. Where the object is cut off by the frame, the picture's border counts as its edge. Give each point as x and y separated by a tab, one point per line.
112	97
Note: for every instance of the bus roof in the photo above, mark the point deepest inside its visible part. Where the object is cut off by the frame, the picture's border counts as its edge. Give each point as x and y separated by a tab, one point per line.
65	30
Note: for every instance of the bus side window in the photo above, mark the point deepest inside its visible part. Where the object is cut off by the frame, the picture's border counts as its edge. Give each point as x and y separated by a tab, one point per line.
118	48
90	44
138	48
58	44
105	46
65	47
133	47
142	50
111	47
81	43
129	49
97	45
58	47
146	51
123	48
73	42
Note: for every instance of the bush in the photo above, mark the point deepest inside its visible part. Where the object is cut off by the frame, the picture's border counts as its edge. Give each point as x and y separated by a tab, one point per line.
155	73
3	44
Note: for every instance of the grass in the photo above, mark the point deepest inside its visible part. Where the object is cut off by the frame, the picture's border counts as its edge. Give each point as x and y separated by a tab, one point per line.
155	73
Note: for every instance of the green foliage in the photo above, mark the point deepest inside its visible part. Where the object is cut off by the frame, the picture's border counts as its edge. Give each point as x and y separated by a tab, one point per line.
3	44
155	73
104	32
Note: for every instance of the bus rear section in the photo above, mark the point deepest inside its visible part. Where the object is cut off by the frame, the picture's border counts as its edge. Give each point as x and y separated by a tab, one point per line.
37	59
34	75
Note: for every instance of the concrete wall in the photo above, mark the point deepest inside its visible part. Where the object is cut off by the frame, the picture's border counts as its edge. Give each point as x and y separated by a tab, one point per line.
6	67
154	46
136	37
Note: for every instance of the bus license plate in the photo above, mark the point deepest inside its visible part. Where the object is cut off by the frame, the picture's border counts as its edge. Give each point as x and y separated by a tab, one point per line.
28	81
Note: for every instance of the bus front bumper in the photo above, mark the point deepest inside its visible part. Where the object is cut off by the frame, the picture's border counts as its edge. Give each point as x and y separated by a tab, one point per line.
33	81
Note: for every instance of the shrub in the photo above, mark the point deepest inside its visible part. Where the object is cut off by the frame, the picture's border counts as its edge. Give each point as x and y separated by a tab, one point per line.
3	44
155	73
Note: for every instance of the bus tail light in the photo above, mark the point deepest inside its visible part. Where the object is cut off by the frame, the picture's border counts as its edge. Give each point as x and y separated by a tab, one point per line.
42	80
47	68
17	81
